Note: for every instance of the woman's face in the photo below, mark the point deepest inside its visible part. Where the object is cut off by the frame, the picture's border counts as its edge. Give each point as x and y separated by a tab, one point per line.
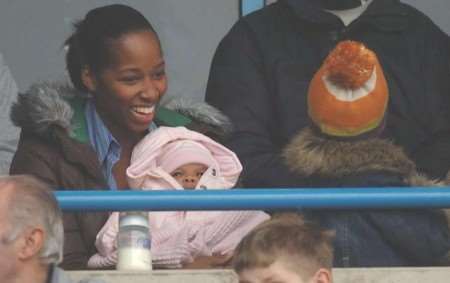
127	91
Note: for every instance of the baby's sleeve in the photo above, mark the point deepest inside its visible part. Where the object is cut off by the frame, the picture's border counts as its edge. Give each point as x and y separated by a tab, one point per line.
106	240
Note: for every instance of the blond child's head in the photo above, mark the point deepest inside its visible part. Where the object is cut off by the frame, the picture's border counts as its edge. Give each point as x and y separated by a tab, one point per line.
285	249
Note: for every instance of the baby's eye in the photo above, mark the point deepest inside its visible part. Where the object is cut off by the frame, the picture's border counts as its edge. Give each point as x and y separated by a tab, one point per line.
176	174
199	174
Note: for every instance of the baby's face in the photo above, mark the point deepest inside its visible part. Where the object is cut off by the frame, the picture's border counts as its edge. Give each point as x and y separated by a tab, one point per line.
188	175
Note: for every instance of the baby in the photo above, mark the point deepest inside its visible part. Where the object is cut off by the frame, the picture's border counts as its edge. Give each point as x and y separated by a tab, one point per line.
179	159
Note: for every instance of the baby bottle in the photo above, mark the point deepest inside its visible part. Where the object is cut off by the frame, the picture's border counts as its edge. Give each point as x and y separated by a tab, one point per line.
134	241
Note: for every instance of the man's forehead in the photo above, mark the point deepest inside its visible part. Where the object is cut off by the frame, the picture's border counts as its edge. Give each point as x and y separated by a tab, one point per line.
5	196
6	193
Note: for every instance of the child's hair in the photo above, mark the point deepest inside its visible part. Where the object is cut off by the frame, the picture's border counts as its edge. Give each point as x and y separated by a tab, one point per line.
90	44
303	246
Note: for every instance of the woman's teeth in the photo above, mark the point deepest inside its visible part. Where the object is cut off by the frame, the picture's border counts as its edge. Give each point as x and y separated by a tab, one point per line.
144	109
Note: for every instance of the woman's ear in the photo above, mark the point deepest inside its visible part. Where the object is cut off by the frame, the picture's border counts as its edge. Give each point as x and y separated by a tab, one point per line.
88	79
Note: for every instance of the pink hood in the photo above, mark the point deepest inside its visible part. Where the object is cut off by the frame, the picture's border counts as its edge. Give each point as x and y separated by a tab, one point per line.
145	173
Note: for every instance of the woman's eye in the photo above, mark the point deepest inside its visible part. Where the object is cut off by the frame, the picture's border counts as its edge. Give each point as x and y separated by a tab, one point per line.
129	80
159	75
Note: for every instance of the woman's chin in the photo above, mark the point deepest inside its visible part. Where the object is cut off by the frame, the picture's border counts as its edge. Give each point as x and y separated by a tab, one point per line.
140	122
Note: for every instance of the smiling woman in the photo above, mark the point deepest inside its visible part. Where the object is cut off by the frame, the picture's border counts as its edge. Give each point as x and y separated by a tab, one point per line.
82	138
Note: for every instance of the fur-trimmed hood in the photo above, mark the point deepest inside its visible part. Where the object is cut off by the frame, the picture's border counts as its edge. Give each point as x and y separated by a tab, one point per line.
44	105
309	154
206	118
49	104
315	156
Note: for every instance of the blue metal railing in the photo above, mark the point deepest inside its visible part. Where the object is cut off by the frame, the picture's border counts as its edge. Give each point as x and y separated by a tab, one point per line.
256	199
248	6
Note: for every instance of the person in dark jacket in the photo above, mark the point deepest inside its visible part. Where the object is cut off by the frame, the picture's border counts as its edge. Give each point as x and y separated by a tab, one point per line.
262	68
347	100
82	138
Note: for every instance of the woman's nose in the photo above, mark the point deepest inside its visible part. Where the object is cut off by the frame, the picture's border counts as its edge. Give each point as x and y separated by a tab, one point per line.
149	90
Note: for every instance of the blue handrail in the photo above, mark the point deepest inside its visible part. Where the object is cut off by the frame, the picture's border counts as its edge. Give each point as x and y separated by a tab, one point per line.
256	199
248	6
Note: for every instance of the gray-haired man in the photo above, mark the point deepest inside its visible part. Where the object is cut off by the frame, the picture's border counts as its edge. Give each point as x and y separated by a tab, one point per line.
31	232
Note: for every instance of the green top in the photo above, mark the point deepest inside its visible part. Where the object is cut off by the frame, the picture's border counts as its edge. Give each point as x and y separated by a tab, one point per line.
164	117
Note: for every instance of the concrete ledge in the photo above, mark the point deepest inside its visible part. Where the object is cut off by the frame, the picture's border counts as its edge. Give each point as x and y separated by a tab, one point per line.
392	275
160	276
341	275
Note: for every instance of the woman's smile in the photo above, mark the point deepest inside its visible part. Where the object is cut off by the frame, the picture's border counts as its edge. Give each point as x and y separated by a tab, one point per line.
143	114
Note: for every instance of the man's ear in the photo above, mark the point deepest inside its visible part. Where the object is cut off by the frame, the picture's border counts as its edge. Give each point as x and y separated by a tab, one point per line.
31	243
88	78
323	275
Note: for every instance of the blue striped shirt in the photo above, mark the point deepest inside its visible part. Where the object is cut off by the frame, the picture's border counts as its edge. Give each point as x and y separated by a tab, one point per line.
105	145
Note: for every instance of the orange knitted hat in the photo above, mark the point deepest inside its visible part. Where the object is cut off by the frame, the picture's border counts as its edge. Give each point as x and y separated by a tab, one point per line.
348	95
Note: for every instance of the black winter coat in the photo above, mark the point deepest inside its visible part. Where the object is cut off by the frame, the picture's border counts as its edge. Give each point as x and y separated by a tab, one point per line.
262	68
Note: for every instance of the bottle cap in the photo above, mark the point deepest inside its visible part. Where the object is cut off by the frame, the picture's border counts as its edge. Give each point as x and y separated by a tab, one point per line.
136	218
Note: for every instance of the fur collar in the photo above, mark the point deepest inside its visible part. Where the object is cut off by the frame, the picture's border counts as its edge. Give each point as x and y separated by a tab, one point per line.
48	104
42	106
207	118
309	154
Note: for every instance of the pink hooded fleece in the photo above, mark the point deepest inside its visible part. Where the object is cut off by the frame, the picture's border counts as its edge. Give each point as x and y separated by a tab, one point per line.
180	236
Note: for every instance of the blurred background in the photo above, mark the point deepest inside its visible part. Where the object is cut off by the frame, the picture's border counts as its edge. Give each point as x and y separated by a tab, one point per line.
32	34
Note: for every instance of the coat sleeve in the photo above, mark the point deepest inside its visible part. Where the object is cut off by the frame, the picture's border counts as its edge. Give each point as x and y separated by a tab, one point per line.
32	157
433	155
420	235
237	85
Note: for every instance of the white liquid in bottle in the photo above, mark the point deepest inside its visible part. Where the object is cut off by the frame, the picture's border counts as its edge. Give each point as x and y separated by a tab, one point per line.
134	259
134	242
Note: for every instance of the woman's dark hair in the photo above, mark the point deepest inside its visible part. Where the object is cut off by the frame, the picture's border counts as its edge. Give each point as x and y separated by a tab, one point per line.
90	43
